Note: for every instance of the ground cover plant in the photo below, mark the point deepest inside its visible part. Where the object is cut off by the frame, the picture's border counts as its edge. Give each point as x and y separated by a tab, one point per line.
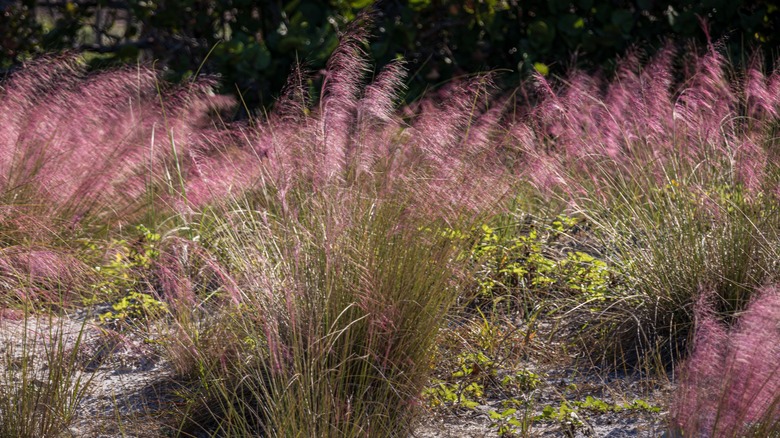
342	267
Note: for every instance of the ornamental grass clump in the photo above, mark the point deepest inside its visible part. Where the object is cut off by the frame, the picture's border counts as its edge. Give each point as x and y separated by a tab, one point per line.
354	136
730	385
99	144
84	154
41	383
121	146
675	168
340	308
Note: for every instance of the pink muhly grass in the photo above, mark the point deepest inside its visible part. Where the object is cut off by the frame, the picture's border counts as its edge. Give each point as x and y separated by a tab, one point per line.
657	79
108	144
585	125
174	282
381	95
356	134
573	125
581	117
637	111
773	88
42	275
383	320
731	382
21	92
522	137
187	273
288	131
344	75
294	101
457	173
220	165
549	110
24	223
96	143
750	161
760	101
707	106
489	132
447	115
619	132
376	121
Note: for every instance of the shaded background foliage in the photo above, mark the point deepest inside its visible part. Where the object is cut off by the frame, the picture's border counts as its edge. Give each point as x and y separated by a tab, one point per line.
252	44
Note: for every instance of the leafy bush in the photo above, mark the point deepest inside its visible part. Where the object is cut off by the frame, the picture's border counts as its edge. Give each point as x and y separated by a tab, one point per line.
253	46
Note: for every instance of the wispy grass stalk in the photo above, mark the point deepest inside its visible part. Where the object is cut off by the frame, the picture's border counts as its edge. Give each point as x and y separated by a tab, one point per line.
41	384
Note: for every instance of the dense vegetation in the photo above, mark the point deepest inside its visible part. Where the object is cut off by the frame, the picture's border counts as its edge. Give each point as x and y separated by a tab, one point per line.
337	265
254	44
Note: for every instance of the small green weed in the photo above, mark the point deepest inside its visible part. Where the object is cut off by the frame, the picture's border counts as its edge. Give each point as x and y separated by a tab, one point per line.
522	380
121	274
464	394
528	263
133	307
507	424
477	376
600	406
563	413
466	387
570	414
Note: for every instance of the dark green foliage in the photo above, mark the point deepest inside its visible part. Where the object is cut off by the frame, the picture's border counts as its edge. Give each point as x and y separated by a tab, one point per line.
254	44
